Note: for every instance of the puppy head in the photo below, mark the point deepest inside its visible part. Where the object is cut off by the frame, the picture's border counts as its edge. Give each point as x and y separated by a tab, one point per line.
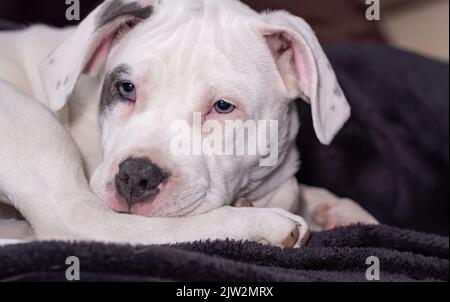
201	74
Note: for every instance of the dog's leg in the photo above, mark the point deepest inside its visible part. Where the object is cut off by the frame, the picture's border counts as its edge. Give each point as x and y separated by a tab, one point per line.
41	175
285	197
12	225
323	210
15	229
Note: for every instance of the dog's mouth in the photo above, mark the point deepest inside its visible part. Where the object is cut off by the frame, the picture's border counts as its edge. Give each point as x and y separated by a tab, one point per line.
141	207
163	202
145	209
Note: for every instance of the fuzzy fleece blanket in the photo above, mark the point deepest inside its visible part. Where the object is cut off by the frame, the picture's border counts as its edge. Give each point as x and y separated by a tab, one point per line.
392	157
338	255
393	154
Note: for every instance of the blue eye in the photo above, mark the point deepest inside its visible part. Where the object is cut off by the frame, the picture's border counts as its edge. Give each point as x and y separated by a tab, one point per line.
127	91
224	107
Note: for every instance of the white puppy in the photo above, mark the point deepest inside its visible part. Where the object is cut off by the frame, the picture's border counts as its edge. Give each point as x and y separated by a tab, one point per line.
117	83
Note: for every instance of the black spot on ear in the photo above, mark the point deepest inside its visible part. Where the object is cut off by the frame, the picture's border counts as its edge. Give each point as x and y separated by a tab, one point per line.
118	9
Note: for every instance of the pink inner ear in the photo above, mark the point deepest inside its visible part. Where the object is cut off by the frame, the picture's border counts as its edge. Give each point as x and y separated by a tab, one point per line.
303	69
291	59
99	56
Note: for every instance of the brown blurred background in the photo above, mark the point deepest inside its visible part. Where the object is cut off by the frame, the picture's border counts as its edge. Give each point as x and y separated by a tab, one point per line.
418	25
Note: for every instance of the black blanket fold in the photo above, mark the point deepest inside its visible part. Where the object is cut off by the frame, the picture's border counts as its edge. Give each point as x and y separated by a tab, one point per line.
337	255
393	154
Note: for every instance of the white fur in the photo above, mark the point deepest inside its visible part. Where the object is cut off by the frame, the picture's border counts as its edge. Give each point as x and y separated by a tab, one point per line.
187	55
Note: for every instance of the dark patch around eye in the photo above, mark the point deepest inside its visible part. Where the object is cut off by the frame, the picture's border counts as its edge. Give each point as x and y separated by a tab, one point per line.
118	9
109	96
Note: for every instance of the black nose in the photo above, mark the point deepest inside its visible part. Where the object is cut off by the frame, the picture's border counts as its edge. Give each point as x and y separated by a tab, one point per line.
138	180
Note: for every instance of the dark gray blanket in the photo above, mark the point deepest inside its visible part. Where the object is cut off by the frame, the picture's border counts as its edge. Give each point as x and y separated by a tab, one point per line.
338	255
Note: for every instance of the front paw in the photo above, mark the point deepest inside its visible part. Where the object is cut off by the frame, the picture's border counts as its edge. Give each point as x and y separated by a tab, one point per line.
340	214
274	227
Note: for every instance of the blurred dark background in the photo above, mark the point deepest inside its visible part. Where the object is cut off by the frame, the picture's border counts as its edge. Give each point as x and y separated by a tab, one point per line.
323	15
417	25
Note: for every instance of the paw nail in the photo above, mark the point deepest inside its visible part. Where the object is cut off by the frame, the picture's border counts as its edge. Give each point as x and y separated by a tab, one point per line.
292	239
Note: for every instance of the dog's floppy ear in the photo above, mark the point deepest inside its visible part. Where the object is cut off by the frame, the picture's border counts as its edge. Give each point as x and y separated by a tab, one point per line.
306	71
87	48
